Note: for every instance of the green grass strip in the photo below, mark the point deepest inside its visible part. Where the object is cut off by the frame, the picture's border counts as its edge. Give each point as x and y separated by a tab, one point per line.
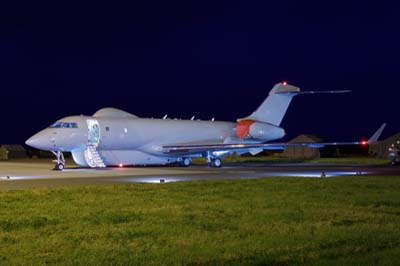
272	221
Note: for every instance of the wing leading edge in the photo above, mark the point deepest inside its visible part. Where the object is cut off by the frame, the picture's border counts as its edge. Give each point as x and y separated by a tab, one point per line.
201	148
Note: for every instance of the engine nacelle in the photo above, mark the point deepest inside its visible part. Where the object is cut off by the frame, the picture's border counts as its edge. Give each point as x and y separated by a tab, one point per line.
258	130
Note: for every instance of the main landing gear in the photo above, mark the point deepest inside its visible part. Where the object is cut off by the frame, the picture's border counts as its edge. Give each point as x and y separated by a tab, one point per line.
216	162
186	162
213	161
60	161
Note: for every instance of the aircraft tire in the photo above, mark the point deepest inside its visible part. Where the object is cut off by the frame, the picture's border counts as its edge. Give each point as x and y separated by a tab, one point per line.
186	162
59	167
216	163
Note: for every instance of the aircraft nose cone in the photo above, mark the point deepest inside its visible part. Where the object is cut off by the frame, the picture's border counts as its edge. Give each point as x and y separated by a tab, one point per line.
38	141
32	141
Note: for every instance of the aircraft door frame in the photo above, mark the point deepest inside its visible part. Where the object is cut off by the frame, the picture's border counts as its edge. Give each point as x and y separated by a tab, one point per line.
93	132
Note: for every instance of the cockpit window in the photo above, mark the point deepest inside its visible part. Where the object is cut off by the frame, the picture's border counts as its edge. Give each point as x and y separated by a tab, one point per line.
64	125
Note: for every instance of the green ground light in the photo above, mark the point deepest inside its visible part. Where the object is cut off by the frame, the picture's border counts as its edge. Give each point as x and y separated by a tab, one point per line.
271	221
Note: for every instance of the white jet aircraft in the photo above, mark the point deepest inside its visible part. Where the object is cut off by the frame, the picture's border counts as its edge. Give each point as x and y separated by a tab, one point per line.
112	137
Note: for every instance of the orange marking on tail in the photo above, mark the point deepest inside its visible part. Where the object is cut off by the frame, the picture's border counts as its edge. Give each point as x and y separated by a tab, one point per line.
243	128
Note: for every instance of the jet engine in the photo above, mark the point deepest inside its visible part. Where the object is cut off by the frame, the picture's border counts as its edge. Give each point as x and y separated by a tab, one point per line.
247	128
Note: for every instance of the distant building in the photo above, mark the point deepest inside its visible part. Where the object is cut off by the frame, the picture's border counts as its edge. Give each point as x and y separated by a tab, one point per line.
35	153
12	151
302	152
3	153
380	149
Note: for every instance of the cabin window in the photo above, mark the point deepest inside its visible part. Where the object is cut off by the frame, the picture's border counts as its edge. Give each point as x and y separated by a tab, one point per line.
64	125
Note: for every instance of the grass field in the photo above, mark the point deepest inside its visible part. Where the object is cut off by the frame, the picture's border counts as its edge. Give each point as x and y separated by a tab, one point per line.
271	221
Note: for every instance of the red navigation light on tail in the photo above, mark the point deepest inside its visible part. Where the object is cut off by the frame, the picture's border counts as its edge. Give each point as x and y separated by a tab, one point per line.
364	142
284	83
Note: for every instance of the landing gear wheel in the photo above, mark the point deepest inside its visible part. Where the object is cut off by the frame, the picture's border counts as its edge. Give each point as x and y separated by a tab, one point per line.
59	167
216	162
186	162
60	161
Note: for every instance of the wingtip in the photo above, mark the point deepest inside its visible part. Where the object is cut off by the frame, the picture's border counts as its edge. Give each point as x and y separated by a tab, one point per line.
377	134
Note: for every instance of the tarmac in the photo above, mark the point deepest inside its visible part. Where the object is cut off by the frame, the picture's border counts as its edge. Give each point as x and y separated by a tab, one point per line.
39	173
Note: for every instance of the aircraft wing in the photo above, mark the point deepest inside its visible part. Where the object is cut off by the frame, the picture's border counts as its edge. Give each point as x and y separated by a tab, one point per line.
249	147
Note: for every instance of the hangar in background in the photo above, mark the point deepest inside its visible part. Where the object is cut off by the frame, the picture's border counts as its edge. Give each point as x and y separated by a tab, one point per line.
304	152
12	151
380	149
301	151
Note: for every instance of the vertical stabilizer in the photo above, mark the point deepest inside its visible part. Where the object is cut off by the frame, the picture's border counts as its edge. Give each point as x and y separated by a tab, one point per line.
274	107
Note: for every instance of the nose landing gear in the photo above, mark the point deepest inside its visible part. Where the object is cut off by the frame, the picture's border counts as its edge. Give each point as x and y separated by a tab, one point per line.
59	162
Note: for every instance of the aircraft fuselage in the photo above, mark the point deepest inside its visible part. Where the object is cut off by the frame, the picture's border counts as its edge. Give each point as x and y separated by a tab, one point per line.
134	141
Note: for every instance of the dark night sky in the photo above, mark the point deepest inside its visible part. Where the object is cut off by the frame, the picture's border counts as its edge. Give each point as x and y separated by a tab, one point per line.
216	59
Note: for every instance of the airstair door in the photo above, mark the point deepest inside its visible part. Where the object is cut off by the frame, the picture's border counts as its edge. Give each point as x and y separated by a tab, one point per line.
92	155
93	133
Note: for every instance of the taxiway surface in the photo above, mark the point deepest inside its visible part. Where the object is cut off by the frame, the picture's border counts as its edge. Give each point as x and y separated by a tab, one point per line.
27	174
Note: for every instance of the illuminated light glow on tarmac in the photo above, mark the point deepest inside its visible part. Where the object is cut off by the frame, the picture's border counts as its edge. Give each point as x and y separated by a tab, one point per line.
19	177
25	175
169	179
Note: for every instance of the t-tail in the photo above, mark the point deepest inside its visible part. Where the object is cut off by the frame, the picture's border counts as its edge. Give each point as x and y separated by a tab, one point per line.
274	107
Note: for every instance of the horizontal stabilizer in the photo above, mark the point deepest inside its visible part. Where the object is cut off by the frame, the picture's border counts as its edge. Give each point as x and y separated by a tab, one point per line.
317	92
274	107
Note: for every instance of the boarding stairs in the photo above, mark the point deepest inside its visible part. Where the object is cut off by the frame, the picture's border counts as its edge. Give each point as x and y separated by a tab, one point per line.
93	157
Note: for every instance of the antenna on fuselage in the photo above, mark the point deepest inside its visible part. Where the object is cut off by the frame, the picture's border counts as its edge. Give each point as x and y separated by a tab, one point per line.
212	119
165	117
192	118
